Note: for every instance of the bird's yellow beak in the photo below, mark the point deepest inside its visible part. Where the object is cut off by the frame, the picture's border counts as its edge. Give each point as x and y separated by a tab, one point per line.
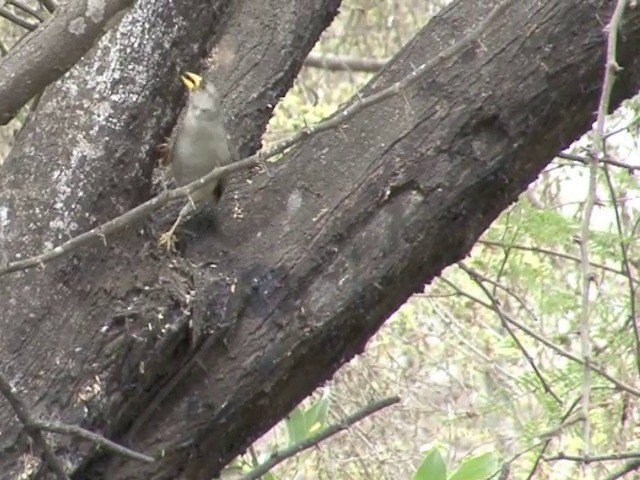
191	80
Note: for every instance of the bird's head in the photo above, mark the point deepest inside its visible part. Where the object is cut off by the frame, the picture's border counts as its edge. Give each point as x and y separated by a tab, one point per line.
204	100
191	80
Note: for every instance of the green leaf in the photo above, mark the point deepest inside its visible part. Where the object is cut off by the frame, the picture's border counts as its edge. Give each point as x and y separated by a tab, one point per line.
432	467
304	422
479	467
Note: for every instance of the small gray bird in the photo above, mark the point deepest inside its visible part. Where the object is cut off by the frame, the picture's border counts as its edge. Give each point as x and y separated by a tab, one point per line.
200	145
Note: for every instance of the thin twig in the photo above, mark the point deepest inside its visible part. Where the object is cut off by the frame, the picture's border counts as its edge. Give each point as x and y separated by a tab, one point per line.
585	305
133	215
610	70
478	278
615	131
556	430
607	161
459	331
546	442
545	341
546	251
26	9
597	458
628	467
279	457
505	259
145	209
23	414
348	63
626	264
13	18
498	286
80	432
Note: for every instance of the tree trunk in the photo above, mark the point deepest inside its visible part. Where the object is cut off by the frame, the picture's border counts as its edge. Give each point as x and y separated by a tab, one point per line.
198	354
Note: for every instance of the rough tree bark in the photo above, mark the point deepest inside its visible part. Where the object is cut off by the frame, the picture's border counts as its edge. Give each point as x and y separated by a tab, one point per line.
52	49
308	261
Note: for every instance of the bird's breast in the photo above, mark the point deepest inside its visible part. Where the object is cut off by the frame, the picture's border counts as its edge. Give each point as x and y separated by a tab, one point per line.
198	152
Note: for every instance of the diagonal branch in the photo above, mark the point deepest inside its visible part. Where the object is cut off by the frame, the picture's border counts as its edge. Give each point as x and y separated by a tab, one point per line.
546	251
47	53
607	161
336	63
279	457
24	415
479	279
560	351
15	19
145	209
20	5
80	432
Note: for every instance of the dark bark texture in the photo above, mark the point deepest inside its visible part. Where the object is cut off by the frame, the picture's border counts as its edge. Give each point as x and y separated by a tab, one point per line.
196	355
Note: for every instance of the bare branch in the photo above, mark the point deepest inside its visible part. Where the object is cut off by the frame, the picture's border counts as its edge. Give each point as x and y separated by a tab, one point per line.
49	5
23	414
406	82
348	63
545	341
143	210
626	265
34	428
611	68
545	443
597	458
629	467
19	4
547	251
13	18
77	431
607	161
133	215
46	54
633	123
610	72
478	278
279	457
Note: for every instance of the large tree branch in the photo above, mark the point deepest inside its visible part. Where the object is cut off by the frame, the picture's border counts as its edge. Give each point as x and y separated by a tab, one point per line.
354	221
346	228
87	155
52	49
145	209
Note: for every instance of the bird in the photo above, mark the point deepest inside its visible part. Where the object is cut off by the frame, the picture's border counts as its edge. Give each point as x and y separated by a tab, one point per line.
200	144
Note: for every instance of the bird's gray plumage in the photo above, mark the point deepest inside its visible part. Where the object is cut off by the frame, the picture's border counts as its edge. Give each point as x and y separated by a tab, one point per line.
201	142
199	145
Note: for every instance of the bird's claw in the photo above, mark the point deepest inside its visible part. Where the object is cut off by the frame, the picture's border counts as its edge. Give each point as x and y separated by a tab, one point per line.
167	240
